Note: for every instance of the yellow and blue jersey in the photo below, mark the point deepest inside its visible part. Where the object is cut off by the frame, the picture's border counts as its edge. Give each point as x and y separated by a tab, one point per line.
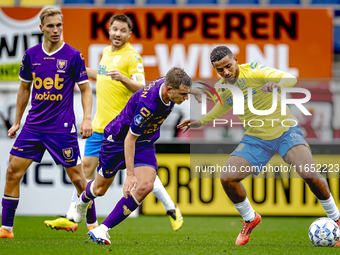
255	75
113	95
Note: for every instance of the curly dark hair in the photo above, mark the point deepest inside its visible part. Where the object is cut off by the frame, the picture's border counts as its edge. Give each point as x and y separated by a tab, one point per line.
220	52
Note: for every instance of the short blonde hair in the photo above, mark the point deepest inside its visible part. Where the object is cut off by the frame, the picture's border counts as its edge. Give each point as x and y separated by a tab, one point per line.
49	12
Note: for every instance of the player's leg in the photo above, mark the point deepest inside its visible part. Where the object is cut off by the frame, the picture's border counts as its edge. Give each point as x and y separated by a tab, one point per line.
94	188
296	152
26	149
172	210
89	164
231	182
145	178
15	171
300	155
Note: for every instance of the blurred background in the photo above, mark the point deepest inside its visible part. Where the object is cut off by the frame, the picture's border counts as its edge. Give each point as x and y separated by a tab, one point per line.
301	37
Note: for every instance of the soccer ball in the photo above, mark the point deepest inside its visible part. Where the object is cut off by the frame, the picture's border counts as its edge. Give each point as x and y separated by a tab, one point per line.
324	232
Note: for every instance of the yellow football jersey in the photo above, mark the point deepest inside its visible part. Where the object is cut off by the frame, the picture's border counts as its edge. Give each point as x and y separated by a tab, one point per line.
255	75
113	95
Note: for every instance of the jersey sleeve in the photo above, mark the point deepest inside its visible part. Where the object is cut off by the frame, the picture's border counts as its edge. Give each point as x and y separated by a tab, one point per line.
25	69
269	74
141	114
80	73
136	68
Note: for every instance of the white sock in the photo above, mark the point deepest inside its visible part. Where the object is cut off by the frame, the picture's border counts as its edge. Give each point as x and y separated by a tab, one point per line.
8	228
247	212
330	208
161	194
74	199
91	224
103	227
70	211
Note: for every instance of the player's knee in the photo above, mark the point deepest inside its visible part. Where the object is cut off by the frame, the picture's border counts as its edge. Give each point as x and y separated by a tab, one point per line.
225	181
144	188
13	173
99	191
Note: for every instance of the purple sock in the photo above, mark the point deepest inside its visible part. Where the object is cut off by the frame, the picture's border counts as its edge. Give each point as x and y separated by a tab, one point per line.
122	210
9	205
87	196
91	216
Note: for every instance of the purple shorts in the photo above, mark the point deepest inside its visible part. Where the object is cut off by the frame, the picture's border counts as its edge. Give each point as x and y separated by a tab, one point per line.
63	148
112	159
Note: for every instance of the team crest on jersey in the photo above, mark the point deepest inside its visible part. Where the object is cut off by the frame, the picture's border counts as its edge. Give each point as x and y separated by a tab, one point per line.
68	153
61	64
138	119
116	60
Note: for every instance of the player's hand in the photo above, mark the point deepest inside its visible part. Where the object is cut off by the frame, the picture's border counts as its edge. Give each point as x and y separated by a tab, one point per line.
189	123
12	132
129	185
115	75
268	87
86	129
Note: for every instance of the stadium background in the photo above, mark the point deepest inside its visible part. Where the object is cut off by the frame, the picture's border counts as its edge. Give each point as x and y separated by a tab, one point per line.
300	37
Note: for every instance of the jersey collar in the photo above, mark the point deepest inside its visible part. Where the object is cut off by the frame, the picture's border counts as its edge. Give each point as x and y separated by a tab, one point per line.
160	95
50	54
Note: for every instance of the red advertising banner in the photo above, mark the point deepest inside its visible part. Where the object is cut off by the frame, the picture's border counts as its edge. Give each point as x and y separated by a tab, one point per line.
285	39
298	41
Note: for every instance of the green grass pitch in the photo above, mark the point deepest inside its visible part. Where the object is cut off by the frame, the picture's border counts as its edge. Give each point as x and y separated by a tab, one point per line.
154	235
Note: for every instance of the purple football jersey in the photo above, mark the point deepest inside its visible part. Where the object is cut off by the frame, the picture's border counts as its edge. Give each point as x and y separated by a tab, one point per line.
143	114
54	76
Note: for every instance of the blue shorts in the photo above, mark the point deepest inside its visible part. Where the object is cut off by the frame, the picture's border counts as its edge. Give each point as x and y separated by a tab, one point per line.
93	144
63	148
258	152
112	158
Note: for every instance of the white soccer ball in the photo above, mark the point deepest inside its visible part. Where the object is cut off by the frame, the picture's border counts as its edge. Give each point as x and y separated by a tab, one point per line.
324	232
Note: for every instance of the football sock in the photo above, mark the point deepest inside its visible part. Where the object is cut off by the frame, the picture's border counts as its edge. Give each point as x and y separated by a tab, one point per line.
88	194
122	210
161	194
330	207
69	214
91	216
247	212
9	206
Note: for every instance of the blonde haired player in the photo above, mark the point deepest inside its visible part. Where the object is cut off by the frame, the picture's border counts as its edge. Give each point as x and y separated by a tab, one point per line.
120	75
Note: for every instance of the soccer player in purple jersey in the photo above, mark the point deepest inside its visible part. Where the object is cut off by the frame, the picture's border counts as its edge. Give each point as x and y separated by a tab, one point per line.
129	143
53	67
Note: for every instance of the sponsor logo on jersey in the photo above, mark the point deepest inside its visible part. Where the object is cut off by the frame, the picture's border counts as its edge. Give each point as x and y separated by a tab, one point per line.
137	57
140	67
138	119
110	138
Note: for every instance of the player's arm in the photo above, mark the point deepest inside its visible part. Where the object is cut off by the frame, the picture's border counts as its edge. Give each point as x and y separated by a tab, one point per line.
274	78
92	73
22	101
131	84
197	94
215	113
86	101
129	152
